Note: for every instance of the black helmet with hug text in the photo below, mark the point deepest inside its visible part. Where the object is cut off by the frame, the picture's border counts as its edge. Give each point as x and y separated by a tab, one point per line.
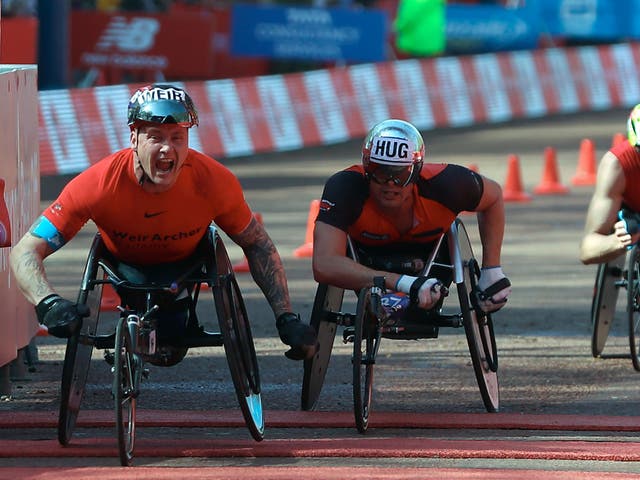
161	103
393	150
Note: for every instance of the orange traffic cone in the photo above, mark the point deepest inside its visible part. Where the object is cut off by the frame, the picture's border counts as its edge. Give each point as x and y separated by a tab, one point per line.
586	171
243	265
306	249
617	138
110	299
550	184
513	191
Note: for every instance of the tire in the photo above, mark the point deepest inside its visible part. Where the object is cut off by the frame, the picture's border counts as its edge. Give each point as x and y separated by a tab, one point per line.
328	299
478	328
77	360
603	305
633	304
238	342
126	384
364	343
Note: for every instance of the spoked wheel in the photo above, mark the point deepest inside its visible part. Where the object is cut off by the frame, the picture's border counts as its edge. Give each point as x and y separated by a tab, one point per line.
328	299
126	386
365	343
238	343
603	305
75	369
478	327
633	304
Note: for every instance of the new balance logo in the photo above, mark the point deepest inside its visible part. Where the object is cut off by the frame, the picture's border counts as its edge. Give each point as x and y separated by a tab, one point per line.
135	35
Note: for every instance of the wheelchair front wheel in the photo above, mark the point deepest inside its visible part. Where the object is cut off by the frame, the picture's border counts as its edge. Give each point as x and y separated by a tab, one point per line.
603	305
328	299
126	386
633	304
478	328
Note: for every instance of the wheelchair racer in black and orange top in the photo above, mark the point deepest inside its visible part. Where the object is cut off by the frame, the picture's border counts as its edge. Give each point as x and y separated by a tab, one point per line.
152	204
393	207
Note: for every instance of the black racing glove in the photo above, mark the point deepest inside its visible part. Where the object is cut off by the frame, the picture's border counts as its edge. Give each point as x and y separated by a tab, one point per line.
299	336
62	317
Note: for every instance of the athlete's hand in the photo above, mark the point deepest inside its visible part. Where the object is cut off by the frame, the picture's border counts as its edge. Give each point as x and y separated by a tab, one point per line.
626	230
61	317
493	289
424	292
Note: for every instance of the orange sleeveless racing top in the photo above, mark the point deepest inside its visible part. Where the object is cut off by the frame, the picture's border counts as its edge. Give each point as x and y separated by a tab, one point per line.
149	228
629	159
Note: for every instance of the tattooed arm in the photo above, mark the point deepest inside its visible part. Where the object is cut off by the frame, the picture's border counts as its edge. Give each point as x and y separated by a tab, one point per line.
26	261
265	265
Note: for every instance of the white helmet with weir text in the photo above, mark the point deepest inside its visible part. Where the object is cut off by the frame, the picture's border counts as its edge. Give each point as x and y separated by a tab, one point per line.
393	150
633	127
162	103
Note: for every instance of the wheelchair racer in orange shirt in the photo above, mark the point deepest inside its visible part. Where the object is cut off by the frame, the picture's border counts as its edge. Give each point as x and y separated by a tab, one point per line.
152	204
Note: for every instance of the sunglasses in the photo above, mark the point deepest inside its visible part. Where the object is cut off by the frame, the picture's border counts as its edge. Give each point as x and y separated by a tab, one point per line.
381	174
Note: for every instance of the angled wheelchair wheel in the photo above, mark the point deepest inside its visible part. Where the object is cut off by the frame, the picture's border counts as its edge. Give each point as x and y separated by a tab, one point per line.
126	386
603	305
478	327
633	304
77	357
328	299
238	342
365	343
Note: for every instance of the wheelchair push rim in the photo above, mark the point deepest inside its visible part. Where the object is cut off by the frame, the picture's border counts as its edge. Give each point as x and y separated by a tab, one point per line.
633	304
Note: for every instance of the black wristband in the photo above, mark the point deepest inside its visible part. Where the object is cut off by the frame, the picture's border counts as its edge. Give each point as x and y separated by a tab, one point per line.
45	305
415	287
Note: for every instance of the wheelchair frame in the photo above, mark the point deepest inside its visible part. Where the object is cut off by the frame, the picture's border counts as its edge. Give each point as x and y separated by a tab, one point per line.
611	277
135	334
366	328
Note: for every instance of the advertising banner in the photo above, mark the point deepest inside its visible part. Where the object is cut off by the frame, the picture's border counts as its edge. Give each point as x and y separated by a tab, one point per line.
491	28
178	45
314	34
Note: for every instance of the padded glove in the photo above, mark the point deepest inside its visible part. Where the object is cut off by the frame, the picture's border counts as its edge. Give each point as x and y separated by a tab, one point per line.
62	317
493	289
299	336
423	292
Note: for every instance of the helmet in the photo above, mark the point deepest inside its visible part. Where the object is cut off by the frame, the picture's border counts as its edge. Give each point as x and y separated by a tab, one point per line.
162	104
633	126
393	150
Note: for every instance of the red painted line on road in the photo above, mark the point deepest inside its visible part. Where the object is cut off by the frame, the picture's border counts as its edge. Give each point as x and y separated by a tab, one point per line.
295	473
360	447
300	419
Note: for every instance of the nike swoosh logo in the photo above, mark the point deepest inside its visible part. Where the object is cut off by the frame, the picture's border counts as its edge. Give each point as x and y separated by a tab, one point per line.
153	214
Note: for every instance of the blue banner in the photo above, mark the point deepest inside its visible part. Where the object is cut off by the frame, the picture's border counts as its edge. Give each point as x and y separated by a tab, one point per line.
316	34
587	19
490	28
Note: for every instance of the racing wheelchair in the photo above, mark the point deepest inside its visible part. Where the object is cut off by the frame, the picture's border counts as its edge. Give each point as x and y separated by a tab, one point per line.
451	258
137	338
621	273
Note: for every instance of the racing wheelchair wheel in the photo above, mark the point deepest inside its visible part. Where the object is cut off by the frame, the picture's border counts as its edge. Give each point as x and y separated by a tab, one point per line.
603	305
238	341
478	325
328	299
126	386
77	357
633	304
365	345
